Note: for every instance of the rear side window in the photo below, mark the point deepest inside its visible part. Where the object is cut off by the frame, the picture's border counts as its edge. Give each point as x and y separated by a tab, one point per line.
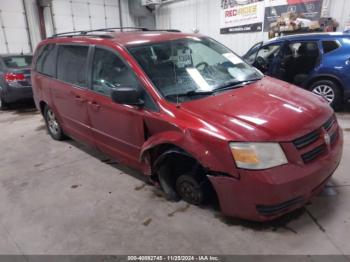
71	65
17	61
46	62
329	46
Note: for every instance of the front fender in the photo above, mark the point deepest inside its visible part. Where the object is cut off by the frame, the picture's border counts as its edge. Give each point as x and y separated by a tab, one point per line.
167	137
191	145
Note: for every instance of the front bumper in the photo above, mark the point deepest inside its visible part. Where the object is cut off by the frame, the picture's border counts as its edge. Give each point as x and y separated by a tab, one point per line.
267	194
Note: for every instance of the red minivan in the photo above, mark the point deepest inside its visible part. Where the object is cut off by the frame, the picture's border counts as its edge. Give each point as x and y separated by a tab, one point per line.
191	115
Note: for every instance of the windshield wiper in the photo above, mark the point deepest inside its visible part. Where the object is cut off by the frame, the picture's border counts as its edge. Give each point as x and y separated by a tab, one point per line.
233	84
191	93
225	86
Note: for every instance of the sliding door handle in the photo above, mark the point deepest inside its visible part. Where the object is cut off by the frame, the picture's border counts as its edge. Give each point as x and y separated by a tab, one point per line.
94	105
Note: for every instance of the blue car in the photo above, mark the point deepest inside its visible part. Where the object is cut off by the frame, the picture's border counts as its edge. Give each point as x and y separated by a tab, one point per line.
317	62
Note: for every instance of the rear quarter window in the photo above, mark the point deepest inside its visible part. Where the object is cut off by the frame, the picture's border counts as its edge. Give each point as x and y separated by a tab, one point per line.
46	62
329	46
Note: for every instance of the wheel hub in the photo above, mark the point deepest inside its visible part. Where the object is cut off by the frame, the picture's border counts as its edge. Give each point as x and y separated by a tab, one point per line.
189	192
52	122
325	91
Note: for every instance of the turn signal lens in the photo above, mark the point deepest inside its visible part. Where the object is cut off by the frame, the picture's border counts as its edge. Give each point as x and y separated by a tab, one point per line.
257	156
245	155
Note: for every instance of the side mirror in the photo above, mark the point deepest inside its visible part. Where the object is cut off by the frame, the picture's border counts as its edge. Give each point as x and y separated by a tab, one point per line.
127	95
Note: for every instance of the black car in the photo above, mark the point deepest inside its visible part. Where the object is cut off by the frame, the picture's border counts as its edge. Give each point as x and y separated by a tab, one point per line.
15	83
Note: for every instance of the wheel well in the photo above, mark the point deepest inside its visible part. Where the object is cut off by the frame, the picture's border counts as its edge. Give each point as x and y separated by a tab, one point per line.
165	154
42	105
319	78
170	161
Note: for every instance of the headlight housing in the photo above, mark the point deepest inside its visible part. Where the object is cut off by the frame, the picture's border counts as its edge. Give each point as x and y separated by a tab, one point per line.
257	156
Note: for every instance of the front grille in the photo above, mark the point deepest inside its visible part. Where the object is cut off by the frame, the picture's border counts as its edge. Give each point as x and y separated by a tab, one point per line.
316	135
275	209
307	139
314	153
329	124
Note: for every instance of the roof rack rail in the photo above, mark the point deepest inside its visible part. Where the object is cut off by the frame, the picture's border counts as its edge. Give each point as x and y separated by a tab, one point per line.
166	30
86	32
109	30
138	28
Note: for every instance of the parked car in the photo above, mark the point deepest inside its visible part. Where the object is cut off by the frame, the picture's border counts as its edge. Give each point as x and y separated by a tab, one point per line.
317	62
191	115
15	84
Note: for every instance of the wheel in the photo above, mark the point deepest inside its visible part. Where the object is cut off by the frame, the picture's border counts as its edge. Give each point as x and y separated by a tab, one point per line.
190	189
329	90
170	193
3	104
53	127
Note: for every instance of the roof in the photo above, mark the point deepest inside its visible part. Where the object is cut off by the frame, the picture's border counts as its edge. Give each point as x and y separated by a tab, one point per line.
128	38
136	38
309	36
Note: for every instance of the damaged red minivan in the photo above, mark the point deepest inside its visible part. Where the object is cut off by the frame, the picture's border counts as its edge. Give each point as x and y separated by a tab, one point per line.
191	115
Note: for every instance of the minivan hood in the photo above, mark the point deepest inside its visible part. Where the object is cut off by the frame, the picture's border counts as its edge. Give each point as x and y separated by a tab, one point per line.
267	110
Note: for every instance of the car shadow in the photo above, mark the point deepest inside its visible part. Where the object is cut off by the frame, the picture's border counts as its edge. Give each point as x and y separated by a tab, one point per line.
346	108
108	161
273	226
22	108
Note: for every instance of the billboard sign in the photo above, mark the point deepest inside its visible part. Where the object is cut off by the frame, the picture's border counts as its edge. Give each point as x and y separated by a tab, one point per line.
238	16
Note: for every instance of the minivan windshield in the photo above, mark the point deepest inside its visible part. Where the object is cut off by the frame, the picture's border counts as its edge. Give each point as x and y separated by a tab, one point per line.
17	61
192	67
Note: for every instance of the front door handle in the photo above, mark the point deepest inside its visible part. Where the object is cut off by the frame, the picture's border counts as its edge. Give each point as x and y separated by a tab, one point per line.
94	105
78	98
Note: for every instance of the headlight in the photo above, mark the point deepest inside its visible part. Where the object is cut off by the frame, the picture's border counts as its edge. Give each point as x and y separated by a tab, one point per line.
257	155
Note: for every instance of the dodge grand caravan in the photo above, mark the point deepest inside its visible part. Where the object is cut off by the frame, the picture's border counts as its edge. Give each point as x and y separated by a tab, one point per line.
191	115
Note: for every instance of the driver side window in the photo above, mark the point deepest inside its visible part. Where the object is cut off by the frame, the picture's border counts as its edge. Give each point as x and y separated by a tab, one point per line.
109	72
252	53
265	56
